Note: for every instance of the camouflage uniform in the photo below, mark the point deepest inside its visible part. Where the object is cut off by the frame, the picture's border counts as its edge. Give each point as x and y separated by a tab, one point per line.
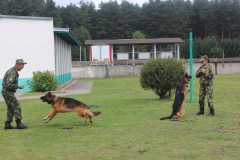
9	87
206	86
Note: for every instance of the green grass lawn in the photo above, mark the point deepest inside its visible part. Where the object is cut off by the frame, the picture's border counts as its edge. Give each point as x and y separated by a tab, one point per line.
28	94
129	126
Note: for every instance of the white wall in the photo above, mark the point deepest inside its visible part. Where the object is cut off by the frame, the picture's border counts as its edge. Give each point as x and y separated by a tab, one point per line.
62	57
63	60
134	70
30	39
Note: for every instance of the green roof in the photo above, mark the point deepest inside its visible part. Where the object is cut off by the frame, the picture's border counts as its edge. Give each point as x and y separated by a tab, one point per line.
66	35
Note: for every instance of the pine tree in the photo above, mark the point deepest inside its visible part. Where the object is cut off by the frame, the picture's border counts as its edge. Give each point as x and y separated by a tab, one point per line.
4	7
129	19
108	20
36	8
88	17
224	17
235	19
139	35
20	7
50	10
82	34
202	9
69	15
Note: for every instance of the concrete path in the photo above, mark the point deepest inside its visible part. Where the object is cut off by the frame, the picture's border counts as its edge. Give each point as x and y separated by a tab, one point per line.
77	88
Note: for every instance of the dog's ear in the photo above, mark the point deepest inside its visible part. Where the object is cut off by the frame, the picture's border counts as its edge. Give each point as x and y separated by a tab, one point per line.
182	73
49	92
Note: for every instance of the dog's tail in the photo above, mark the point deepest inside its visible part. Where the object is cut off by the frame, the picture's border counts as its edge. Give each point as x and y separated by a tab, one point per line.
165	118
170	117
174	113
92	114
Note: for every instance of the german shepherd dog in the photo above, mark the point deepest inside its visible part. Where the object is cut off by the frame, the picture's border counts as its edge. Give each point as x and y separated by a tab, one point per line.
180	95
63	105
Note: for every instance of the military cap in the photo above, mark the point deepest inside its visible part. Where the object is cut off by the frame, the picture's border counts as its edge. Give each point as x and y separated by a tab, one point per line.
20	61
203	58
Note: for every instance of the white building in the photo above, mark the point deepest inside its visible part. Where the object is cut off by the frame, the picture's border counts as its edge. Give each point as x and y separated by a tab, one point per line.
102	50
42	46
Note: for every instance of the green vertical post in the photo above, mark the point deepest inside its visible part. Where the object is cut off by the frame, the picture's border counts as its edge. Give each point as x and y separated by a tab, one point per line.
191	68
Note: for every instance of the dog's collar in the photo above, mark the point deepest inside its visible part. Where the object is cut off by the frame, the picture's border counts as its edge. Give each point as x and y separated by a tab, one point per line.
54	99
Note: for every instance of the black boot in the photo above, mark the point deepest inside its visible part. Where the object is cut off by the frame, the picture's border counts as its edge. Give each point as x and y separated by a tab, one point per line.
20	125
201	111
211	113
8	125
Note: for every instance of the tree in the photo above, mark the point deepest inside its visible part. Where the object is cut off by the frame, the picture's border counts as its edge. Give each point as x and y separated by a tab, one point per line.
88	17
20	7
231	47
4	7
81	34
184	48
36	8
129	19
235	19
50	10
139	35
225	17
108	20
209	46
154	19
70	16
212	48
201	8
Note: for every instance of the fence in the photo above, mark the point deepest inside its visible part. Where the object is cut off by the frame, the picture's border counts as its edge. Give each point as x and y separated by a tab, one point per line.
140	62
86	69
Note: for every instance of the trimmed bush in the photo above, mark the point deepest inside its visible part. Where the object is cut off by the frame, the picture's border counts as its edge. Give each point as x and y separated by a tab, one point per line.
161	75
43	81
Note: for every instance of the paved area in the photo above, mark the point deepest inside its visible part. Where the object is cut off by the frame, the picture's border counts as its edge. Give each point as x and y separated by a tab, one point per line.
77	88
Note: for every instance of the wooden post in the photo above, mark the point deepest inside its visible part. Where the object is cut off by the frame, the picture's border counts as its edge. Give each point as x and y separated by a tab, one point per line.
216	68
85	53
80	53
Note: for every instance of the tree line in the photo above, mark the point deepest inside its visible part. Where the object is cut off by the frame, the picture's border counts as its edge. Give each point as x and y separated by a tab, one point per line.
155	19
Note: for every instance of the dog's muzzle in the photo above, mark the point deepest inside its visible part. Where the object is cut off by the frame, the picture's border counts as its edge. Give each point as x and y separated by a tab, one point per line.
43	98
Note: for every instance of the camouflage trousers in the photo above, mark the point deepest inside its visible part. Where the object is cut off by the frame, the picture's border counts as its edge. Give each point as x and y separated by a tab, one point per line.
206	90
13	106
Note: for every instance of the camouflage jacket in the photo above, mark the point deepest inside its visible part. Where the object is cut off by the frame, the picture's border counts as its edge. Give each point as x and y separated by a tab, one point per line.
10	80
207	76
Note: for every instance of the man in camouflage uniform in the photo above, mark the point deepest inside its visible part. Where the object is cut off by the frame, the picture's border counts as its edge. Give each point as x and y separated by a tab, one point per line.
9	87
205	73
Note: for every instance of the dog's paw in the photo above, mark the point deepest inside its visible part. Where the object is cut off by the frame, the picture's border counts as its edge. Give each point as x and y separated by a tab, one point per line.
45	118
46	121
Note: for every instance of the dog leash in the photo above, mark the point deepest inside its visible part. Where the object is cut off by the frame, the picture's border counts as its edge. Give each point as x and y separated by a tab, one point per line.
66	128
183	120
94	106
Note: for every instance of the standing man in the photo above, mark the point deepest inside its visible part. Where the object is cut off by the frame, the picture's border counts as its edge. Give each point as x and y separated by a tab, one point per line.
9	87
205	73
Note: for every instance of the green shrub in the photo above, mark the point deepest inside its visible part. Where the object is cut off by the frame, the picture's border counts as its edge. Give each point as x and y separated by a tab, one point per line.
43	81
161	75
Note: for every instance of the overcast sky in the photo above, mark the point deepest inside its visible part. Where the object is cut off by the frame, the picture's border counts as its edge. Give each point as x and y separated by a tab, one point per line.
96	2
